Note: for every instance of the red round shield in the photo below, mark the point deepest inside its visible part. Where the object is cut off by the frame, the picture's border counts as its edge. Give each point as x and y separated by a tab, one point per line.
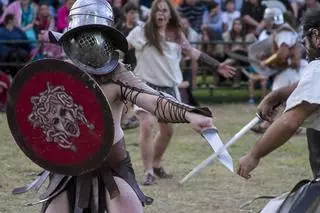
59	117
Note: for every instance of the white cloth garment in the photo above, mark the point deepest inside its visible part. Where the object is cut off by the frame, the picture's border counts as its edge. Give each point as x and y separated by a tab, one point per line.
160	70
288	76
308	90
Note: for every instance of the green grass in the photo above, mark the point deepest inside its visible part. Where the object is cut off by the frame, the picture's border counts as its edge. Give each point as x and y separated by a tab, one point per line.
215	190
224	95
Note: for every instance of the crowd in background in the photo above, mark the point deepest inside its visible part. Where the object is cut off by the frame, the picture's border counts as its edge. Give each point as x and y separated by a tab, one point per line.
203	21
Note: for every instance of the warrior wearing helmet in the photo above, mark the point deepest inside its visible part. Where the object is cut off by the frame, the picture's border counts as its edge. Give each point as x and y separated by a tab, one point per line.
302	106
284	56
91	44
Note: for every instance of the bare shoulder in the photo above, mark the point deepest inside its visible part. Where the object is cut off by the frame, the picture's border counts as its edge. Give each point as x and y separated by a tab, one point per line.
111	91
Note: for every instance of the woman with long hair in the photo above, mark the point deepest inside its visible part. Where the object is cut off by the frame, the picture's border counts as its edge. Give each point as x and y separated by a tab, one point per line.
43	24
237	34
158	45
238	39
25	12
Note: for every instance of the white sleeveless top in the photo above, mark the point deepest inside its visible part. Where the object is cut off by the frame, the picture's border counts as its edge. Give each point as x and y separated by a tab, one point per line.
160	70
308	90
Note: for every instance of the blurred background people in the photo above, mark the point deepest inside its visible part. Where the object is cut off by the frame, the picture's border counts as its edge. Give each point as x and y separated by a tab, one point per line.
238	42
13	52
24	12
62	15
44	23
161	39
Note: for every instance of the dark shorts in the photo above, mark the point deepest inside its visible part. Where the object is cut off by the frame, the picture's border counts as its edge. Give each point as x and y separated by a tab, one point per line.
82	190
169	90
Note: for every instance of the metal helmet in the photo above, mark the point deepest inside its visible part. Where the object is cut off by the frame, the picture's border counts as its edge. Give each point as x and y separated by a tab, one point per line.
90	40
274	14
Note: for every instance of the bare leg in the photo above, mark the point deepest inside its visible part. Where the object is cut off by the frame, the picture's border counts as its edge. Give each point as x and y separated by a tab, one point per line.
251	87
162	140
146	140
194	68
127	201
59	204
264	84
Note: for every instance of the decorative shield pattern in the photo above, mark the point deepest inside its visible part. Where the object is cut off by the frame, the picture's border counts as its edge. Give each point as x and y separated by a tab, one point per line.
59	117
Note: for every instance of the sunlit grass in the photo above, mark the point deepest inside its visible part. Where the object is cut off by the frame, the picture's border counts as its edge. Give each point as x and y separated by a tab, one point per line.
215	190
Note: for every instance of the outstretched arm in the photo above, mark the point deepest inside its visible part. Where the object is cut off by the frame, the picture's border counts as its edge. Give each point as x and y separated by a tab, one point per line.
267	107
205	60
276	135
164	107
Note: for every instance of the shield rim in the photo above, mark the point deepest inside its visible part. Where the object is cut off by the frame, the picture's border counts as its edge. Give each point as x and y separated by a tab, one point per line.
108	134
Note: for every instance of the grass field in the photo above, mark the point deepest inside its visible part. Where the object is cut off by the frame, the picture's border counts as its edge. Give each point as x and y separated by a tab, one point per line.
215	190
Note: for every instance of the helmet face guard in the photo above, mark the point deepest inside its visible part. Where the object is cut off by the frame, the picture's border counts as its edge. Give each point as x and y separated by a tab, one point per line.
91	51
90	40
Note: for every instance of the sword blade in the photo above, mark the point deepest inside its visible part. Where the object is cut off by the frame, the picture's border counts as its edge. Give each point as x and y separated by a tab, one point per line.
209	160
213	138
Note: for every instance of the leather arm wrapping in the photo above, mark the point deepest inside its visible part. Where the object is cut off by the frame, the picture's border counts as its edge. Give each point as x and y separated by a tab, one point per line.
207	60
167	109
170	110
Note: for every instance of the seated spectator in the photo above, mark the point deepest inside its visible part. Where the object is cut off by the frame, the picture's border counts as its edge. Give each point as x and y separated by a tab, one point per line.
130	10
238	4
190	33
237	34
13	52
309	4
118	3
43	24
4	87
24	12
193	37
44	21
229	15
252	15
193	10
212	25
62	15
4	2
131	21
189	66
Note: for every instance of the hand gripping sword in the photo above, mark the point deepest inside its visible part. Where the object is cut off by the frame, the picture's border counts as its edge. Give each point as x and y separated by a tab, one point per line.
221	150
